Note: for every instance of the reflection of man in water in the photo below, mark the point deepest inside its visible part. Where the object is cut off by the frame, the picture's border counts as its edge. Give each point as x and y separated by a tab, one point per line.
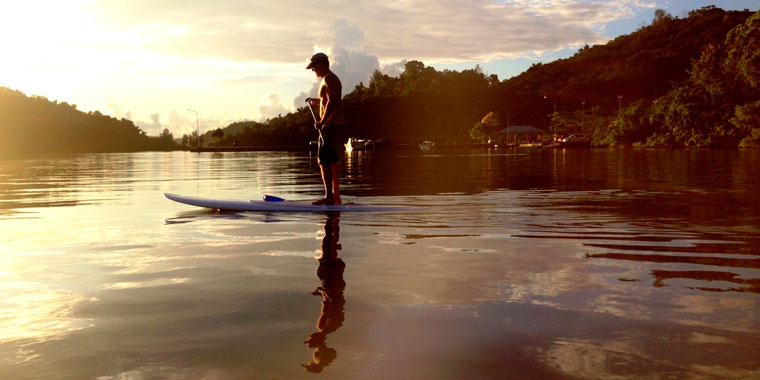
330	272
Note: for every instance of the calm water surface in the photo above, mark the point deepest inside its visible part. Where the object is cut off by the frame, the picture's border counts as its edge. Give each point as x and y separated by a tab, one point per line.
517	264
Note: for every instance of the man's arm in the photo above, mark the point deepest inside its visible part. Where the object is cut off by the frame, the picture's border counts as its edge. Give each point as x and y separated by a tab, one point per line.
333	99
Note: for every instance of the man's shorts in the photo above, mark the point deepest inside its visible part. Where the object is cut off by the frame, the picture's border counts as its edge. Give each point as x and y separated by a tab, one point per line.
332	144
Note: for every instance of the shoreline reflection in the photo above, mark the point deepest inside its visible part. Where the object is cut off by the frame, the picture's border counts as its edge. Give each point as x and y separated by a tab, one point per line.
332	312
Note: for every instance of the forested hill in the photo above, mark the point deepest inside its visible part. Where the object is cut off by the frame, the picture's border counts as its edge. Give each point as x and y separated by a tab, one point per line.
35	125
678	83
645	64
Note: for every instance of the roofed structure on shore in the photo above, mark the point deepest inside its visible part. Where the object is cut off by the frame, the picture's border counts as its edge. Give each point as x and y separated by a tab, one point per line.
527	129
517	134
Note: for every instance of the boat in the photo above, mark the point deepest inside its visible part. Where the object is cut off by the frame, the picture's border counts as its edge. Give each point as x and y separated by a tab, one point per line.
575	141
358	144
427	145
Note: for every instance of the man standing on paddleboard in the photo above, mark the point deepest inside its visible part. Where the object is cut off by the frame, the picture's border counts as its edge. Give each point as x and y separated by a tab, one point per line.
331	126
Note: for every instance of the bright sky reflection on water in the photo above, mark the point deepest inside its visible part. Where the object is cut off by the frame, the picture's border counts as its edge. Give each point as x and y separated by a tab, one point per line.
528	264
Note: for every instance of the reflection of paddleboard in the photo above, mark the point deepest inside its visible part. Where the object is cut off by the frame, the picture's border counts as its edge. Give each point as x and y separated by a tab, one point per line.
276	205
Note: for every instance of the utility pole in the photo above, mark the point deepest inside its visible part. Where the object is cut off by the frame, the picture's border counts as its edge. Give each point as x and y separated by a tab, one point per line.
553	101
620	99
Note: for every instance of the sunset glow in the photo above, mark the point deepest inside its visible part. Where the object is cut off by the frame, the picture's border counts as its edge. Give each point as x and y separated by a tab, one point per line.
149	62
426	189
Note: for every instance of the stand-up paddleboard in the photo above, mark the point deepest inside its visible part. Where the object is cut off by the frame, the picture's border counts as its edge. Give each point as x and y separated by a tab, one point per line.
277	204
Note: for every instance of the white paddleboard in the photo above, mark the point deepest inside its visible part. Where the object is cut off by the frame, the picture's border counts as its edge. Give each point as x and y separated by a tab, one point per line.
231	205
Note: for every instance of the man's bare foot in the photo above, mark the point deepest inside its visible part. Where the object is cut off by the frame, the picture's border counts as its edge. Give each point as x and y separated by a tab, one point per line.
323	202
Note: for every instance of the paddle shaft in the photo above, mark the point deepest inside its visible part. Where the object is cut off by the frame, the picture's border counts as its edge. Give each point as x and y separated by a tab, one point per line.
314	116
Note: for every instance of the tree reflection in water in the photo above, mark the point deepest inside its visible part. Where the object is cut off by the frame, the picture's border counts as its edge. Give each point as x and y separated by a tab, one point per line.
330	273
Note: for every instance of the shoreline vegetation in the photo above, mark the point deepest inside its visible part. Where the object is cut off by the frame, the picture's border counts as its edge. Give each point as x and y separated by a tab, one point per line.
690	82
31	126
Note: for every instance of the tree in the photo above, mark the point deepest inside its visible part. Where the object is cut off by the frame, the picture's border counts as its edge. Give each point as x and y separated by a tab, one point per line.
660	15
747	120
217	135
491	123
486	129
718	104
479	133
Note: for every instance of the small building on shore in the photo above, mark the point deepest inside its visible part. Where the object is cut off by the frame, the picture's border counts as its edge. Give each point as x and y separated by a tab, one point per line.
520	134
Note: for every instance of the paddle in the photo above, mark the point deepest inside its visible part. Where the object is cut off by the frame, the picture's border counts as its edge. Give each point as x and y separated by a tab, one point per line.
314	116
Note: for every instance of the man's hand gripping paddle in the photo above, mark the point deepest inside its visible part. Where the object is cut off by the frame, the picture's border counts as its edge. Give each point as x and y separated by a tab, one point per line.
314	116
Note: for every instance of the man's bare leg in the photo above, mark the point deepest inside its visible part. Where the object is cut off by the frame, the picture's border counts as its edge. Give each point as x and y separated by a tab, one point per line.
327	179
335	169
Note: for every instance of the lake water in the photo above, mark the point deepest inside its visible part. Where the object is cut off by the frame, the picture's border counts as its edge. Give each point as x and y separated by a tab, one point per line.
517	264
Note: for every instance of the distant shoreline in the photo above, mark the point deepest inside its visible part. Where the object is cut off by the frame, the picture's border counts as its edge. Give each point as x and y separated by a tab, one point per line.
288	148
304	148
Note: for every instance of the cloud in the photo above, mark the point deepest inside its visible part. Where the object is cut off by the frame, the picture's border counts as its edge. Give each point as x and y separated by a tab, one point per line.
154	127
244	80
116	112
394	69
436	31
300	100
272	108
345	43
180	123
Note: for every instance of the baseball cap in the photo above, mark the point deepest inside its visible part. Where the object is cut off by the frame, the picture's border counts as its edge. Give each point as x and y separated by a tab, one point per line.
318	58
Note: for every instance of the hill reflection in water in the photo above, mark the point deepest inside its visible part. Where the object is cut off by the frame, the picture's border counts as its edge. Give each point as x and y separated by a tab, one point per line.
517	264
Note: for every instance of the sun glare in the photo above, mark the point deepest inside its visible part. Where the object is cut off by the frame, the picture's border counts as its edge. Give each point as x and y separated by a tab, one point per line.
37	48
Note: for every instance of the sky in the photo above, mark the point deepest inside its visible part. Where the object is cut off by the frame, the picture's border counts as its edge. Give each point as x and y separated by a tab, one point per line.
157	62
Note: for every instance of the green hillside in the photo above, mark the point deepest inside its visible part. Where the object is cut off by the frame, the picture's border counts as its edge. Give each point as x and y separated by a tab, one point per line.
679	82
35	125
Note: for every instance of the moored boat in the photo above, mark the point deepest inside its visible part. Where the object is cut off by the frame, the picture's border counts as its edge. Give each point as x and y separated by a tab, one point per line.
427	145
576	141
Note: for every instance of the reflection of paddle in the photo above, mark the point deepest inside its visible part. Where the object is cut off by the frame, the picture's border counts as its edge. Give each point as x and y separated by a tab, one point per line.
314	116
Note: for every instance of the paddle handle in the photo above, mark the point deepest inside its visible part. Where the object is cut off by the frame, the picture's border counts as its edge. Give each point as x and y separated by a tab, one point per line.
314	116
